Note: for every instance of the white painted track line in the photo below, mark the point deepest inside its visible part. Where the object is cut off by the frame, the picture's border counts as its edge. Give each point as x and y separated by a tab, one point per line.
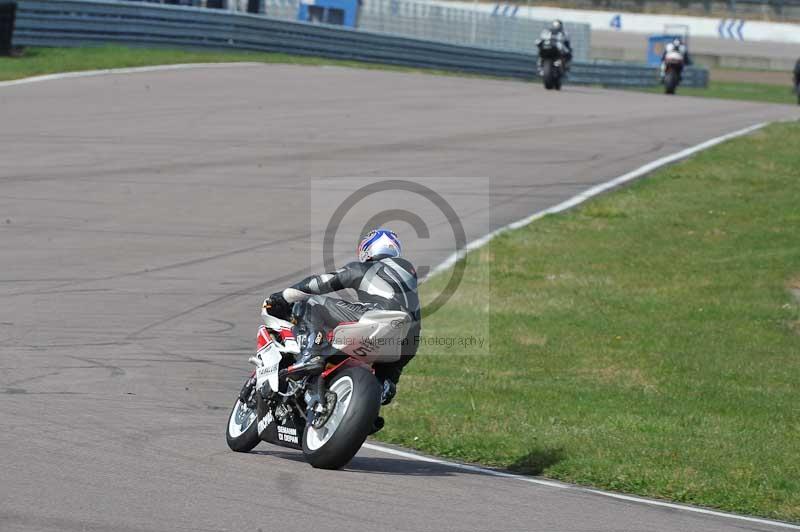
590	193
560	485
113	71
464	467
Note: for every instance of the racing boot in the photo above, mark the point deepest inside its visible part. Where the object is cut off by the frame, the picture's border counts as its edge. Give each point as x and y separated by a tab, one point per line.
310	360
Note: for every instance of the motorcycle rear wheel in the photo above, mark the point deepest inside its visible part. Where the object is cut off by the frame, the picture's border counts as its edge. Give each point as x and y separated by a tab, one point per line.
358	400
547	74
670	82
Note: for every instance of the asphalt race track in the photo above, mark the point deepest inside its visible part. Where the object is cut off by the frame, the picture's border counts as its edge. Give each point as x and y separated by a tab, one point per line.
144	217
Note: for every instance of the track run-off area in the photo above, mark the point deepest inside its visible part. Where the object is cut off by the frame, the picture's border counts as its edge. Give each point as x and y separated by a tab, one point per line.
145	216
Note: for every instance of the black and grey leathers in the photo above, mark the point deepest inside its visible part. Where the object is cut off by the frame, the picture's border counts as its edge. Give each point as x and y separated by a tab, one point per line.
385	283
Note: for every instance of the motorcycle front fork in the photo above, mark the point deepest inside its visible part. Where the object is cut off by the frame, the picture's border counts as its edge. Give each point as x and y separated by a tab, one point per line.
247	390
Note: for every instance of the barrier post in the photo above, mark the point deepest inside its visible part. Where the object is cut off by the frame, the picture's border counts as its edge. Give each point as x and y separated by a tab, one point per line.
8	11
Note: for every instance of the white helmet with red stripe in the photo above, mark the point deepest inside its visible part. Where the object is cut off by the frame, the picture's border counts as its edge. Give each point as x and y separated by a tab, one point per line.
380	242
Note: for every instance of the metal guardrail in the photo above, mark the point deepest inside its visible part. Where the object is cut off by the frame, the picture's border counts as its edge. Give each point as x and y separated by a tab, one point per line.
95	22
427	20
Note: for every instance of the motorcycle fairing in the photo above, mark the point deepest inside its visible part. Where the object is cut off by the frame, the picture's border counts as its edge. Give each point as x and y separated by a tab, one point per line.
286	432
376	337
284	330
267	360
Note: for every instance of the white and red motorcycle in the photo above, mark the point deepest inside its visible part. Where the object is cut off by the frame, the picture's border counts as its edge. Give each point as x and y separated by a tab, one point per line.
329	413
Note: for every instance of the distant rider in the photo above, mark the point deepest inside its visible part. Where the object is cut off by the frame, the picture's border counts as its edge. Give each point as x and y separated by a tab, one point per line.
382	281
557	32
677	45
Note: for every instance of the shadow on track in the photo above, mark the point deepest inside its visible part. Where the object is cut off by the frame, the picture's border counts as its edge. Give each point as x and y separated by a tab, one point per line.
376	465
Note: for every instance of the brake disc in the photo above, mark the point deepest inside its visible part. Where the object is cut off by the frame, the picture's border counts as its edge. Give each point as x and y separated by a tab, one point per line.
322	417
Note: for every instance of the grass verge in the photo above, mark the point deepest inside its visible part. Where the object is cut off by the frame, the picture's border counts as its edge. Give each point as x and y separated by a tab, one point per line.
732	90
646	342
39	61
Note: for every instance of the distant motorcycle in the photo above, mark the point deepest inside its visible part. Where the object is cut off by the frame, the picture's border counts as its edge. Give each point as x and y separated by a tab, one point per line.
329	412
551	59
797	90
673	70
797	80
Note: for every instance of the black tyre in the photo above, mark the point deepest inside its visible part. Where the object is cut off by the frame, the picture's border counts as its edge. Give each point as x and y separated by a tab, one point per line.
358	400
241	432
797	90
547	74
670	82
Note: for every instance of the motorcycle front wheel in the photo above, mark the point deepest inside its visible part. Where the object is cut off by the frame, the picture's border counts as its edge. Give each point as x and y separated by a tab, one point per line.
358	400
242	430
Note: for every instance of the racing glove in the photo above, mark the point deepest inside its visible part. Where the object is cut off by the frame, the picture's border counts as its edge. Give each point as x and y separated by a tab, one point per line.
277	305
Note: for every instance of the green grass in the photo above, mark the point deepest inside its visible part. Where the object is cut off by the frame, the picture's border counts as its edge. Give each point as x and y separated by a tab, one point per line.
38	61
646	342
730	90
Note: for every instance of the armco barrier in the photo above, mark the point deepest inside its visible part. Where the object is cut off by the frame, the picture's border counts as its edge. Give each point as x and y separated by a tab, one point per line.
502	29
468	27
93	22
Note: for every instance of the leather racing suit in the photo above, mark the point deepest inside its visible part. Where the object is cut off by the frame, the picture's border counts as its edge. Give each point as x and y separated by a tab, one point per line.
559	35
382	283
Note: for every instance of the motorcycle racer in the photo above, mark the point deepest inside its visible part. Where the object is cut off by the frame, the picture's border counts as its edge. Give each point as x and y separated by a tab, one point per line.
556	31
382	281
677	45
797	72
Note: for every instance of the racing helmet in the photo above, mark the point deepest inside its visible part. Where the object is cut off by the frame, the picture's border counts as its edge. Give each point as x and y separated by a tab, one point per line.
677	42
379	242
556	26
